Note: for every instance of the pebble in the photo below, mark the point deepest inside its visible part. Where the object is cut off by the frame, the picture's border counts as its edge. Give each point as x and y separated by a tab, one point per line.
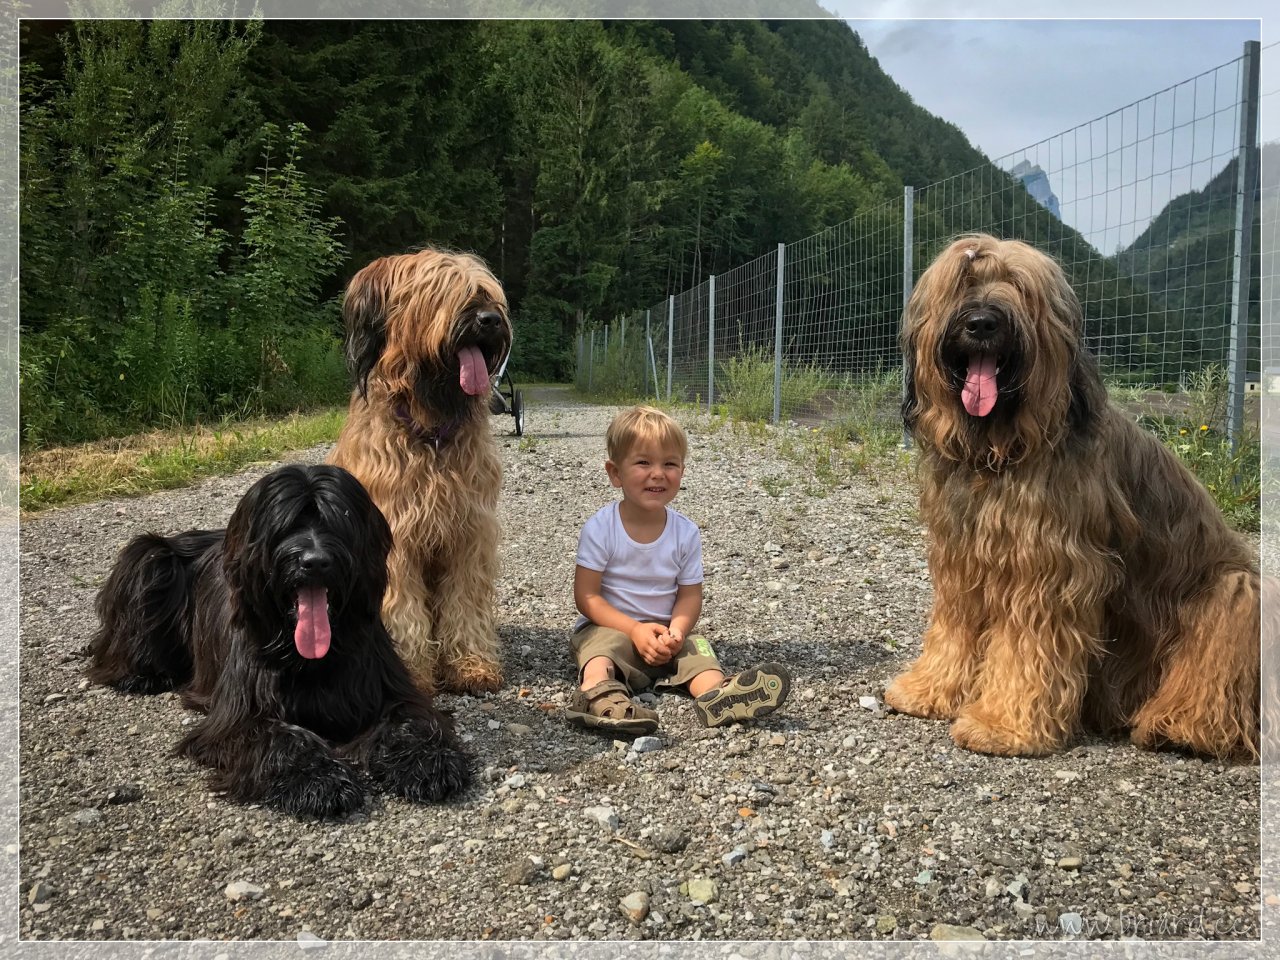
86	817
519	729
1066	776
124	793
1069	863
561	871
886	923
670	840
1070	923
945	931
605	816
243	890
522	873
646	744
702	890
734	856
40	892
635	906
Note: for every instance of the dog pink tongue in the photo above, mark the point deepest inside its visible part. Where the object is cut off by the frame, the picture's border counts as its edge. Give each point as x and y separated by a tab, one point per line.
473	375
979	394
312	634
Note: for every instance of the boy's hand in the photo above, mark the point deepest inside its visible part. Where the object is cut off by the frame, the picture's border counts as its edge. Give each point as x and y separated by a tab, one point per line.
652	641
675	641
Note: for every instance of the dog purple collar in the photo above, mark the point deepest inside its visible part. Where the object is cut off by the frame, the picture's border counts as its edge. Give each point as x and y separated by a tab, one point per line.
435	437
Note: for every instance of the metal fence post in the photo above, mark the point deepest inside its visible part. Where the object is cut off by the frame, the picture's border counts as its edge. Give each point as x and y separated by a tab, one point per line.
777	344
591	364
908	241
711	344
671	329
1246	183
653	363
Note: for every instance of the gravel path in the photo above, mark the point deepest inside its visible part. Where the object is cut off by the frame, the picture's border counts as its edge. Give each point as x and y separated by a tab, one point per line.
828	820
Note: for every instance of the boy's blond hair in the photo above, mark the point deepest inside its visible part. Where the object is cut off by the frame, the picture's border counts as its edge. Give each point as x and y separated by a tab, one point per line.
639	424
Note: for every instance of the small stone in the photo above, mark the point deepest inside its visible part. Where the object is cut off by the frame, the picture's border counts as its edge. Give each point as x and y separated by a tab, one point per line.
828	839
777	740
515	781
869	703
1066	776
309	941
154	913
561	871
86	817
605	816
670	840
635	906
993	888
924	877
243	890
774	586
98	926
40	892
361	900
519	729
1070	923
471	847
55	697
1018	887
735	856
646	744
886	923
945	931
702	890
124	793
1069	863
522	873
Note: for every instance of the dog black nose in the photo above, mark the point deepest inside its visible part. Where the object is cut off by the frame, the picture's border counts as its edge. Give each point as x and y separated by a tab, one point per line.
315	560
981	325
488	318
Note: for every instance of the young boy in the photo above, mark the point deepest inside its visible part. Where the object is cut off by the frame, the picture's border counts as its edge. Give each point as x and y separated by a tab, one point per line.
638	588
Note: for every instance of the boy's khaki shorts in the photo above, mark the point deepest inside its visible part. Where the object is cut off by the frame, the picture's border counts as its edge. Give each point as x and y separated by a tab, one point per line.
695	657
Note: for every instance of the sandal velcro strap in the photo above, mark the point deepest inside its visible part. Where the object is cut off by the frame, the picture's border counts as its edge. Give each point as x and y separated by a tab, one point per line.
608	706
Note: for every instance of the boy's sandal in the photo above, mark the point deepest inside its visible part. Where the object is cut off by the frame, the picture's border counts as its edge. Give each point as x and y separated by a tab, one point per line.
608	706
745	696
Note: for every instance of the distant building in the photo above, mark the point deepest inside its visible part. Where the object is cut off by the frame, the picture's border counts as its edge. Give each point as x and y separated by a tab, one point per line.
1037	183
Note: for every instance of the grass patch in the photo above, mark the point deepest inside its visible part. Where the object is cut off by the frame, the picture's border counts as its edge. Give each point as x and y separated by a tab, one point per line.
164	459
744	386
1199	439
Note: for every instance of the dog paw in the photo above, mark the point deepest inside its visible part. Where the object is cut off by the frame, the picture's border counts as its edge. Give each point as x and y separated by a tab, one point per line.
417	759
320	790
974	733
471	676
909	694
429	775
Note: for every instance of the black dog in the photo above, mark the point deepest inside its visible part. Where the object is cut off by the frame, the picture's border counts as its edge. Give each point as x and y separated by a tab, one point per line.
272	628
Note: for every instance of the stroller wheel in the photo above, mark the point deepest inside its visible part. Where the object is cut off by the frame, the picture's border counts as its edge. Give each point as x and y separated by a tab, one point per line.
517	411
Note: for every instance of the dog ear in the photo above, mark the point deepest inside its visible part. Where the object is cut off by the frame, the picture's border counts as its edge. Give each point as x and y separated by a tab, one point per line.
364	312
910	404
246	553
1088	395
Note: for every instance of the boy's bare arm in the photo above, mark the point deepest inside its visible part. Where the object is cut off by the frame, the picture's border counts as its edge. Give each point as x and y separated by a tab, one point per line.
685	613
649	639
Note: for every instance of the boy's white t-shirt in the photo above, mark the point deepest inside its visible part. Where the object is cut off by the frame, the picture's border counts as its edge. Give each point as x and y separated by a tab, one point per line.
640	579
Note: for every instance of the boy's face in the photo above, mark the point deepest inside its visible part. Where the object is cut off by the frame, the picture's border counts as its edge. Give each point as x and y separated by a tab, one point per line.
648	476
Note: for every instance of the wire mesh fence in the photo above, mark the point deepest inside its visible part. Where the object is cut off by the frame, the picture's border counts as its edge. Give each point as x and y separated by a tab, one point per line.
1151	210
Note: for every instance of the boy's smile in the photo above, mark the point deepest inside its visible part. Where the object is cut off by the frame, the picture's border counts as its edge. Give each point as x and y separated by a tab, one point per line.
649	478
